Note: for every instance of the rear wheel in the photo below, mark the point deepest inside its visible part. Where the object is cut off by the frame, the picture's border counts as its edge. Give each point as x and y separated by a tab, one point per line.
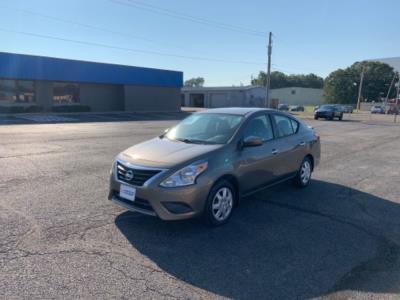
220	203
341	117
303	176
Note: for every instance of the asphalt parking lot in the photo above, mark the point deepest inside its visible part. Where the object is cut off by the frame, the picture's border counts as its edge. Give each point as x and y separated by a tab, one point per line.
61	238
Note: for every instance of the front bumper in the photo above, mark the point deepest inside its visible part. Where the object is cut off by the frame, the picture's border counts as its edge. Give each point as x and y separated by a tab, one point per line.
167	203
323	114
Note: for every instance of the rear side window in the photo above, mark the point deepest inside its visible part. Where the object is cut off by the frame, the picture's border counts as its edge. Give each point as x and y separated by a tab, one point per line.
284	125
295	125
260	127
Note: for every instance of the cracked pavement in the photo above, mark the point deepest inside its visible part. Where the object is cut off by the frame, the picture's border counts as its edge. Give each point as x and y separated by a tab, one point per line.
61	238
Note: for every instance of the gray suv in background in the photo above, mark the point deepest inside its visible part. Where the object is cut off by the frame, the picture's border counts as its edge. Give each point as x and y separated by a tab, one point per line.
207	162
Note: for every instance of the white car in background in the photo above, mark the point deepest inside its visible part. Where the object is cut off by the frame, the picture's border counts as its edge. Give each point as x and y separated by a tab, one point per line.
377	109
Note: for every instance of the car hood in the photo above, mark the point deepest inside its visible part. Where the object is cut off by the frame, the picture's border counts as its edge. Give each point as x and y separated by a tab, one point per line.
164	153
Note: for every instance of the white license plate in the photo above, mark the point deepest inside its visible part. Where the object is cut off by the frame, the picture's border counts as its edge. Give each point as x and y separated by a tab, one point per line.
127	192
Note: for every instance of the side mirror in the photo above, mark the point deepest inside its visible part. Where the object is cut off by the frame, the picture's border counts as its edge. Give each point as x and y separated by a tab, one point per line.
252	141
164	133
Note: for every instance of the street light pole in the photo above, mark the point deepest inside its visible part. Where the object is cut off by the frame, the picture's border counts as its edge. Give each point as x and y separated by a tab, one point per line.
397	101
360	88
390	88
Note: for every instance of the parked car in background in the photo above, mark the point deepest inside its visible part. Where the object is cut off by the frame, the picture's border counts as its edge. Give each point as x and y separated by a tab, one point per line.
339	107
203	165
297	108
377	109
347	109
393	110
329	112
283	107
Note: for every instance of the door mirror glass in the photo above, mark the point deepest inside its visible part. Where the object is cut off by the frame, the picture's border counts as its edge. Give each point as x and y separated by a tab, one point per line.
252	141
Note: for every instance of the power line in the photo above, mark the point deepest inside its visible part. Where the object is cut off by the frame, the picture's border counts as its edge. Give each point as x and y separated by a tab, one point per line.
89	26
130	49
290	69
190	18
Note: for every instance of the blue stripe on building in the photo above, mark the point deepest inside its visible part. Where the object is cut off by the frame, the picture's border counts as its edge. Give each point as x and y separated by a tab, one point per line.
28	67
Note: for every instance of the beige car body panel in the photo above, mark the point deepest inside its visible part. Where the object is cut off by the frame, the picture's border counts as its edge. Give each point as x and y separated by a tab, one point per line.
252	168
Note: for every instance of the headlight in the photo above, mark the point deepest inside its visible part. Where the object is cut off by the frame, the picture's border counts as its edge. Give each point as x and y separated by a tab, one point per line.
186	175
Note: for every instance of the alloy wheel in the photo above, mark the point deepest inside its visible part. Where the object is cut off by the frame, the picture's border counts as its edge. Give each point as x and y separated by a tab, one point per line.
222	204
305	172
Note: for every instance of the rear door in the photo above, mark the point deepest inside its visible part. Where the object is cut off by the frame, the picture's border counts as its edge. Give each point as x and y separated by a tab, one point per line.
291	146
337	112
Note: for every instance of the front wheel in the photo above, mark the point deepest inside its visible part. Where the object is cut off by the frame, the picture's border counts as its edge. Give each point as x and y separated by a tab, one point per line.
303	176
220	203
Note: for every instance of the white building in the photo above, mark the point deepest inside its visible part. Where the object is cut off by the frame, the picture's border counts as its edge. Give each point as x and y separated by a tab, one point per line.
223	96
298	96
394	62
250	96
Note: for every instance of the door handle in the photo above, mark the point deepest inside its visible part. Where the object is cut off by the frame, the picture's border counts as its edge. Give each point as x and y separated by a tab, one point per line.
302	143
274	151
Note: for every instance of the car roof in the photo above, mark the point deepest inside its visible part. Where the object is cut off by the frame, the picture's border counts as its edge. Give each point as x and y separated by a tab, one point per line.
235	110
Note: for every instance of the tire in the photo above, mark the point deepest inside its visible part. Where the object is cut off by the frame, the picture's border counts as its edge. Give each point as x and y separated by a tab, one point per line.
315	118
304	173
341	118
214	216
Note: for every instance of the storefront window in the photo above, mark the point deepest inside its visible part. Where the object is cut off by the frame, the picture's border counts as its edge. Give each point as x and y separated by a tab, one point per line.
65	93
16	91
25	91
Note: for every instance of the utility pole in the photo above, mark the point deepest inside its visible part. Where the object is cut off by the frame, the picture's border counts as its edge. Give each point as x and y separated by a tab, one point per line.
390	88
268	84
360	88
397	100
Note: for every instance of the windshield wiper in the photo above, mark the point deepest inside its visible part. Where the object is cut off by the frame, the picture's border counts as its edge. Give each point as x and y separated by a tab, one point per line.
193	141
190	141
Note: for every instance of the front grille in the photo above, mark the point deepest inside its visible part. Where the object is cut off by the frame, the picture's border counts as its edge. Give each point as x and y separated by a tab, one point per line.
139	176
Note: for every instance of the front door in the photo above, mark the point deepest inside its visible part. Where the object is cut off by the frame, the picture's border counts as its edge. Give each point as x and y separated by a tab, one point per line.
257	165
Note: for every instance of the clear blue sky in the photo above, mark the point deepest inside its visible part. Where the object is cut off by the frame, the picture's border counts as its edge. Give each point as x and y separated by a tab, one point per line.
309	36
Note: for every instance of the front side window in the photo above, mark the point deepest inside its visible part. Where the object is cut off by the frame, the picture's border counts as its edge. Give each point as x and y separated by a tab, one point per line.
205	128
283	125
66	93
260	127
16	91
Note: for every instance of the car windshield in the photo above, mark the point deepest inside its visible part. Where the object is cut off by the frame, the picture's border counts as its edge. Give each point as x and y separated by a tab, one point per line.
327	107
205	128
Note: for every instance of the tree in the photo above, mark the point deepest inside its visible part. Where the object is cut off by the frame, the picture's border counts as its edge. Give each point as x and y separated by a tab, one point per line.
281	80
194	82
341	86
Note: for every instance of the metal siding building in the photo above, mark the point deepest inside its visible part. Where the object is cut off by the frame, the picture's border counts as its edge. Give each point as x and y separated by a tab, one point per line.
48	82
247	96
298	96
